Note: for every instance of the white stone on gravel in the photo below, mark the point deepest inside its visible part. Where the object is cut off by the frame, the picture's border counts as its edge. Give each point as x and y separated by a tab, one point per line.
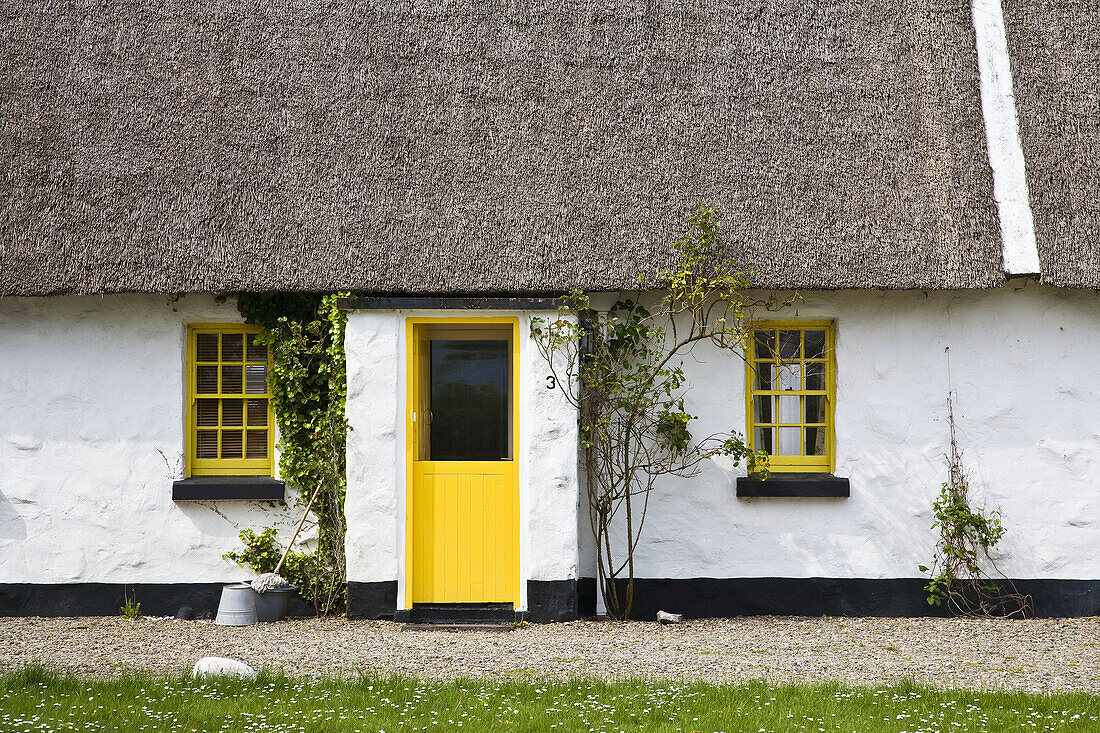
665	617
1037	655
222	667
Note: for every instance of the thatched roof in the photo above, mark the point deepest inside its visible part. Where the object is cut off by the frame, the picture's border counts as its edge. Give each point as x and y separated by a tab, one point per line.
487	146
1054	46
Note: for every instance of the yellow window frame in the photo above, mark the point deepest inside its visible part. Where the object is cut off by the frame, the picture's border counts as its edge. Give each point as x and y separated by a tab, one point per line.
795	463
195	466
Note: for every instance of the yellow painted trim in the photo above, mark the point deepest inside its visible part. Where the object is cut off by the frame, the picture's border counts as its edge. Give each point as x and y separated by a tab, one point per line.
412	372
780	464
194	466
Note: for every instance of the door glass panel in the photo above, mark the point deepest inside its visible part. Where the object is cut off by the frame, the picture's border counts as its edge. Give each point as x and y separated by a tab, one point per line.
469	403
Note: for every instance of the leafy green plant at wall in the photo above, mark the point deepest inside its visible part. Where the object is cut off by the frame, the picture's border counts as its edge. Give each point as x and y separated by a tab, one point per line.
130	609
308	385
306	570
967	538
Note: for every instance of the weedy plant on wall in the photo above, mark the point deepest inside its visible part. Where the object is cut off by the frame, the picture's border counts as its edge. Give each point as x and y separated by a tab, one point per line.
967	538
130	608
622	369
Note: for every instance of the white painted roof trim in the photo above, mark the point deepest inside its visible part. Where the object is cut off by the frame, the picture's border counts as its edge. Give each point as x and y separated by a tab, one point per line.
1002	134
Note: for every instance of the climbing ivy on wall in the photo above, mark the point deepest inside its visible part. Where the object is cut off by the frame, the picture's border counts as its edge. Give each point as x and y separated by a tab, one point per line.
308	385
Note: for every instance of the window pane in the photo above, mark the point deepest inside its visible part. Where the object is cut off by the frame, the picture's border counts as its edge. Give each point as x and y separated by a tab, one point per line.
764	371
765	342
206	444
789	409
790	343
231	443
815	441
469	400
788	377
233	413
815	344
232	347
206	413
256	378
257	413
257	444
206	379
789	442
256	352
206	347
763	440
815	408
231	380
815	376
762	409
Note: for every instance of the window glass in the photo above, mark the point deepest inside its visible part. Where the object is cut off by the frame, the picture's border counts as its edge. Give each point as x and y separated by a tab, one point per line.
257	413
815	344
232	347
764	375
815	376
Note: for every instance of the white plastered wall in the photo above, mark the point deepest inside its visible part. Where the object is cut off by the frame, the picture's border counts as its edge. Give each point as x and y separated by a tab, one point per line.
376	348
1022	364
91	395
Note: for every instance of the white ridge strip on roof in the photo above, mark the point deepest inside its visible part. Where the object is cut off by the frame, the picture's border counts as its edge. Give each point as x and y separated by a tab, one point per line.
1002	133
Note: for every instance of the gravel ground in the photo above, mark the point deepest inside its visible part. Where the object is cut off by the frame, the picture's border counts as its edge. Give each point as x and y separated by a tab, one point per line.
1037	655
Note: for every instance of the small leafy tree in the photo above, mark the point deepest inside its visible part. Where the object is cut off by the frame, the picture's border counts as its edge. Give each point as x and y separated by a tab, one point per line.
967	537
622	369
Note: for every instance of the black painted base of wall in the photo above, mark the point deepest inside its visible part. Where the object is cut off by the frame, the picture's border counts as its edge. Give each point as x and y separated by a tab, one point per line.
586	596
372	600
551	600
105	599
564	600
726	597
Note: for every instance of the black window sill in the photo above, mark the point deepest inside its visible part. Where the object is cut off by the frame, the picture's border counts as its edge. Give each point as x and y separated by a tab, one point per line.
207	488
794	485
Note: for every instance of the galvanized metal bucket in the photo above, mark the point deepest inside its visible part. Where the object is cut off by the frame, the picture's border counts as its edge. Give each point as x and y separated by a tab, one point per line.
271	604
236	607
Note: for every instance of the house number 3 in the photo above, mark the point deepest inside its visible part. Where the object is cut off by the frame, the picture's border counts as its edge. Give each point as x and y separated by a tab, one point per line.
551	383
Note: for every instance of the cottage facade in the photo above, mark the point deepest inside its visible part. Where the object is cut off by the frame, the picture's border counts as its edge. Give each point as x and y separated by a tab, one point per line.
919	174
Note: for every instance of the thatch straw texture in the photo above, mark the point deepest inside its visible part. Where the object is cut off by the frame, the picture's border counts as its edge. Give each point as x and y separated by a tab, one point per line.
1054	46
487	146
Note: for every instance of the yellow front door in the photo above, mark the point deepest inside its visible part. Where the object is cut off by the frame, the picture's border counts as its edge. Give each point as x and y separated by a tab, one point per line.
462	514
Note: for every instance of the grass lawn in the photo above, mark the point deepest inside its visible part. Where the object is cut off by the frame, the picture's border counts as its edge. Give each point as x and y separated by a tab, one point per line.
37	699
